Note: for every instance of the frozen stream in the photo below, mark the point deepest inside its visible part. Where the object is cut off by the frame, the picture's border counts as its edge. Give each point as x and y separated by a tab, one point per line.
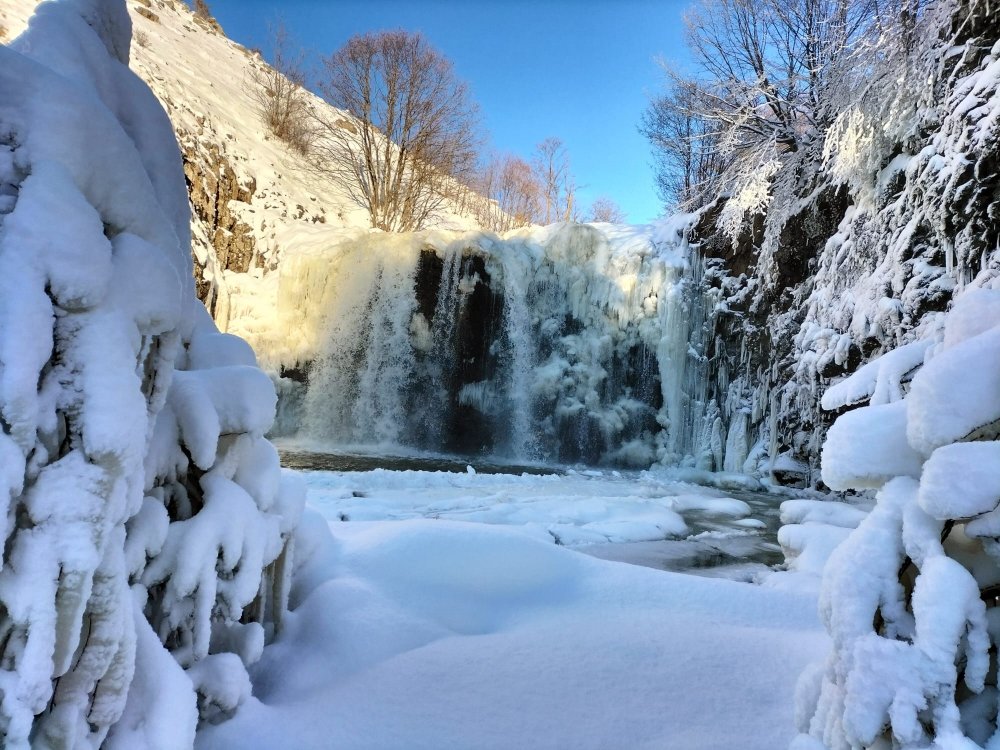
645	518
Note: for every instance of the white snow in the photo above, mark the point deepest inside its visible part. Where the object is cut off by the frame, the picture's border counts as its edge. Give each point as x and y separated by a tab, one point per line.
808	546
152	535
433	633
844	515
867	447
961	480
880	381
933	421
811	530
119	556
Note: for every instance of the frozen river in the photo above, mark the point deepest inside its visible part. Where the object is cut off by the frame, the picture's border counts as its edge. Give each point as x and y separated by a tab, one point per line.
652	519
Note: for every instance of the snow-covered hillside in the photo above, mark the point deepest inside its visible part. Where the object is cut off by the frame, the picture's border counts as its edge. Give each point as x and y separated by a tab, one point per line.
253	197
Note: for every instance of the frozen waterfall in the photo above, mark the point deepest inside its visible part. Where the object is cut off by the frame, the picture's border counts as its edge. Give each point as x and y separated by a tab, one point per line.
570	343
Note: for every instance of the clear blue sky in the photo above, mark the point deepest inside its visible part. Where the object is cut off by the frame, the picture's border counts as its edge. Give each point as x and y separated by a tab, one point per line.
580	70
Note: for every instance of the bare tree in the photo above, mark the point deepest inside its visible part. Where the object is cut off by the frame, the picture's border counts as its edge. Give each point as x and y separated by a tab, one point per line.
414	133
606	210
685	146
511	194
759	91
570	208
551	167
278	91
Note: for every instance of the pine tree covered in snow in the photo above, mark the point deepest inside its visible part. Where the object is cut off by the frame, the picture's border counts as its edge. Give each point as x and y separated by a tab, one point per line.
146	521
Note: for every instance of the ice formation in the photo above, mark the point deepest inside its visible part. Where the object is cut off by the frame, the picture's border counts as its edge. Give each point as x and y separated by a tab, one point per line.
568	343
146	521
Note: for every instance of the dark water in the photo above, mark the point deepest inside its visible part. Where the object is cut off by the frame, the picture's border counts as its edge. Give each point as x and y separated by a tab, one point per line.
307	460
716	547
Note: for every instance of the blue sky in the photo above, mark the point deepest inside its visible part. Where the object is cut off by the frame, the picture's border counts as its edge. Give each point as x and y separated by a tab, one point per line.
580	70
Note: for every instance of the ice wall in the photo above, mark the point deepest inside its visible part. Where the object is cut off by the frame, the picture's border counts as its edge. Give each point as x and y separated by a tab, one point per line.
578	343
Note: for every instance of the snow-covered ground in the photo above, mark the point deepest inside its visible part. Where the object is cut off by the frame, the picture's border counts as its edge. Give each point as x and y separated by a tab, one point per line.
436	612
425	633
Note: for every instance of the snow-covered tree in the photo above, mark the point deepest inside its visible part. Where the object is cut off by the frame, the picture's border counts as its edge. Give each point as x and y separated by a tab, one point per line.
909	598
146	521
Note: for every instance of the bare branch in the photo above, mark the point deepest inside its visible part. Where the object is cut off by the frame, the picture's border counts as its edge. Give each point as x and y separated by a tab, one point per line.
414	137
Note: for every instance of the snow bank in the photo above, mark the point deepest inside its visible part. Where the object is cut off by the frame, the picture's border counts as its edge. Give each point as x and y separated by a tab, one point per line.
869	462
437	634
121	559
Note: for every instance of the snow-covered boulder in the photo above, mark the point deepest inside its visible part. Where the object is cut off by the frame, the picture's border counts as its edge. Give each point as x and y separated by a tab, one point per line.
146	534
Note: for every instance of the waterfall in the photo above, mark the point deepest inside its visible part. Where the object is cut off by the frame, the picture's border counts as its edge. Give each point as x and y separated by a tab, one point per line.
520	355
441	359
571	343
358	385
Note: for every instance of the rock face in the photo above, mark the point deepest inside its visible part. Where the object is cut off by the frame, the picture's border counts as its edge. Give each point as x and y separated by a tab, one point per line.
867	243
214	186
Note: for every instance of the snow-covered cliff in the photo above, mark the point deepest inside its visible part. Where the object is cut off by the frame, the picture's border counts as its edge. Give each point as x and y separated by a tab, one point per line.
252	196
869	235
